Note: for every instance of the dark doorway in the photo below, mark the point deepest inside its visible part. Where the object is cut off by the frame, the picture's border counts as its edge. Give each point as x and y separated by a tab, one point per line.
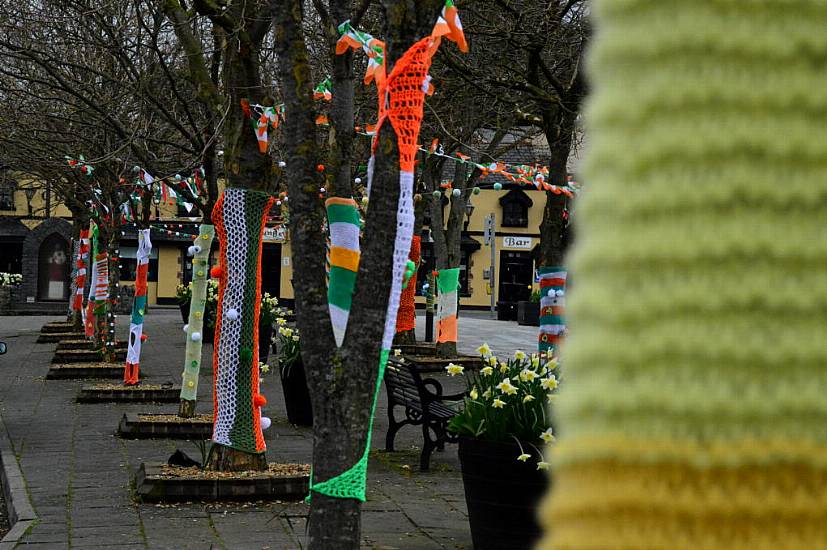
515	281
53	269
11	256
271	269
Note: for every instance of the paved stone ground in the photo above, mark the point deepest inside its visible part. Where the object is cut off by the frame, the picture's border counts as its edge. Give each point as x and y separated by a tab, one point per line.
79	474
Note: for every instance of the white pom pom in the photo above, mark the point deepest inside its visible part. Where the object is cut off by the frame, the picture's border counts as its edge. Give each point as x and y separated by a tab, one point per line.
322	190
232	314
265	422
357	181
191	251
282	164
426	286
195	336
560	292
186	328
456	192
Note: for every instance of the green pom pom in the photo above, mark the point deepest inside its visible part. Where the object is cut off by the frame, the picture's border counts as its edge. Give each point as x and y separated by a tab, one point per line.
245	355
411	265
476	190
437	193
498	186
194	363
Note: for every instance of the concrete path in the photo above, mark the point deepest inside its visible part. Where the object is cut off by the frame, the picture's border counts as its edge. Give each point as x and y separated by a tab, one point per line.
79	474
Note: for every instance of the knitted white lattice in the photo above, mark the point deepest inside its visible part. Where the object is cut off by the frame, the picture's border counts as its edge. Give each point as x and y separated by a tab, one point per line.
229	343
401	248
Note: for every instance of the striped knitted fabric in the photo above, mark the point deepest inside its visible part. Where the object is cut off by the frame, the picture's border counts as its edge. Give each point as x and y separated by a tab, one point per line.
198	301
136	324
239	216
447	282
89	318
406	317
80	274
694	414
344	223
552	308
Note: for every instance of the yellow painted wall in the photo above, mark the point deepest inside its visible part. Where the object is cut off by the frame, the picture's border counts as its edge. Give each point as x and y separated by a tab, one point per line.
169	271
151	290
286	287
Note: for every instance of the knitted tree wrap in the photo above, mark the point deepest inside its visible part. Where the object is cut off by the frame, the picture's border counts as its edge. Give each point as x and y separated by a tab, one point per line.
239	217
447	282
552	308
89	320
198	301
694	413
73	286
80	273
343	220
136	324
406	317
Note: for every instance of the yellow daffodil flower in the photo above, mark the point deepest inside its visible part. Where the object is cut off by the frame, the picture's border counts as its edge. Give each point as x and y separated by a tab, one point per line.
492	360
397	352
503	368
549	383
552	364
535	360
474	394
498	403
527	375
453	369
519	355
265	368
484	350
487	371
523	457
486	394
542	465
547	436
528	398
507	387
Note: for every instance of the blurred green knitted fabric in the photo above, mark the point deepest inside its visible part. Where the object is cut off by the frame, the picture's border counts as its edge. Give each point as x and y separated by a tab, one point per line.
695	410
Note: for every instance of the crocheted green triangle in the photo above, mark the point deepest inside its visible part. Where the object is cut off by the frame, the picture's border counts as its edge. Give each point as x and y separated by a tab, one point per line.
352	482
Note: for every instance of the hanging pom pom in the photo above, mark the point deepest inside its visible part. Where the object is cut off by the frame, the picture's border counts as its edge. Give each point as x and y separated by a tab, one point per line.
191	251
144	337
498	186
216	272
357	181
186	328
232	314
476	190
456	192
265	422
320	168
259	400
322	190
560	293
437	193
195	336
282	164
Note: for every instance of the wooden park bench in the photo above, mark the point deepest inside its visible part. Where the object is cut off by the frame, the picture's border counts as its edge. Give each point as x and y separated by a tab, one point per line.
424	405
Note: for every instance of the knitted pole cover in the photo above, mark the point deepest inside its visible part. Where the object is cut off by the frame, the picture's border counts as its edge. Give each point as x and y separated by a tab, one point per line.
239	217
136	324
198	301
80	274
404	108
343	219
552	308
101	287
695	413
73	286
447	282
89	321
406	318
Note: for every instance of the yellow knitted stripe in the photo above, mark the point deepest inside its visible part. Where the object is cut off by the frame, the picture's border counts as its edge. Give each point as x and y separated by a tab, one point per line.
614	505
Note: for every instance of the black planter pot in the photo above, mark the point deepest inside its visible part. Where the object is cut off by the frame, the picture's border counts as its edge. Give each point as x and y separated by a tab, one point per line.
265	333
528	313
506	311
296	396
502	494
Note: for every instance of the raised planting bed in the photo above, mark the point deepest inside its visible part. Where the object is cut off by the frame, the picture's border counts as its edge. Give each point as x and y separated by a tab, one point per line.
165	426
57	327
84	355
421	348
164	483
144	393
52	337
425	363
67	344
82	371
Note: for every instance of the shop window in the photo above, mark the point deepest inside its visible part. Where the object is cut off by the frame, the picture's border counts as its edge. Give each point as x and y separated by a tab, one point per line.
129	264
515	205
428	263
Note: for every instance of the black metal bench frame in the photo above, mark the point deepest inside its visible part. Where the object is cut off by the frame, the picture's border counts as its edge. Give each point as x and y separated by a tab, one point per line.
424	405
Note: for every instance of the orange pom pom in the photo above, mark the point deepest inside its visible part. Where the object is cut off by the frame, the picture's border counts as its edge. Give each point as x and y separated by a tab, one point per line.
216	272
320	168
259	400
144	337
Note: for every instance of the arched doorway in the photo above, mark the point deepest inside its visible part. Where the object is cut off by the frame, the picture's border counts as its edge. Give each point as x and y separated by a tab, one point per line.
53	269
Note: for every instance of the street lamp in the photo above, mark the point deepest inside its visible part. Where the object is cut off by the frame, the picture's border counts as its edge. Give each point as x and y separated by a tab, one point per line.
469	209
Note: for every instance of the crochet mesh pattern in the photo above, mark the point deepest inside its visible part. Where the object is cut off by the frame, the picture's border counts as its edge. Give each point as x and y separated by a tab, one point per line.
406	317
239	217
552	308
694	411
